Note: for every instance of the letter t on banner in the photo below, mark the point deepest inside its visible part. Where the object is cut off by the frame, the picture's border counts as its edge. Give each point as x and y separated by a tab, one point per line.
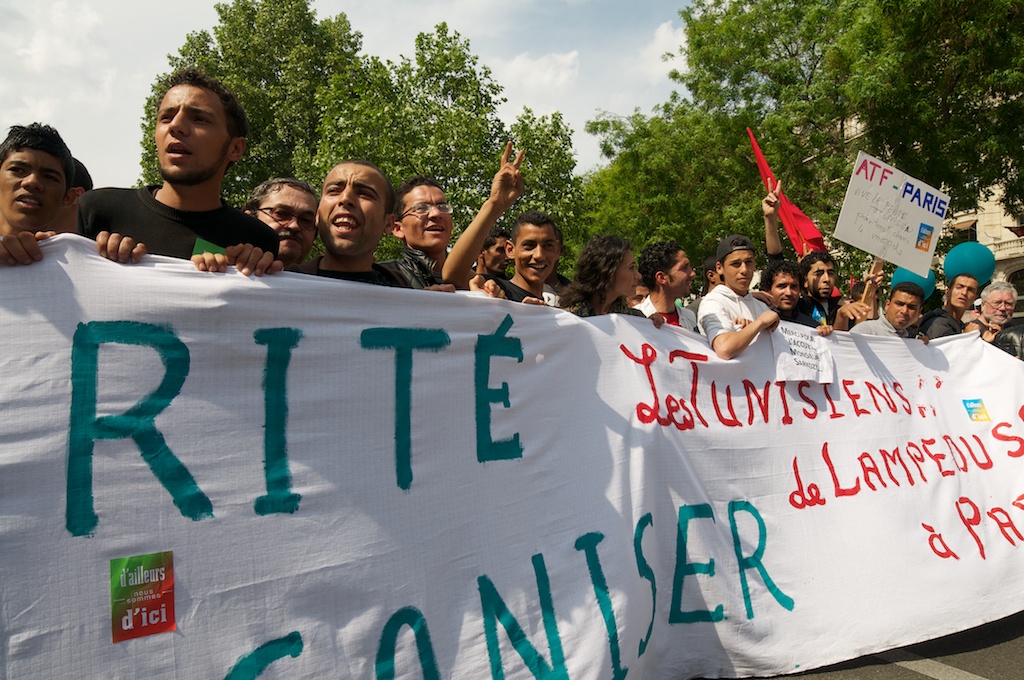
802	233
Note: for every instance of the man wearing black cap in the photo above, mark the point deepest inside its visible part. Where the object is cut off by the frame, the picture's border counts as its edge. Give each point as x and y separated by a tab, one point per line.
729	315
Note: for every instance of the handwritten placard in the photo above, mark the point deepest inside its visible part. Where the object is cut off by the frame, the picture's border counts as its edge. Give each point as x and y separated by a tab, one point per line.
801	354
891	215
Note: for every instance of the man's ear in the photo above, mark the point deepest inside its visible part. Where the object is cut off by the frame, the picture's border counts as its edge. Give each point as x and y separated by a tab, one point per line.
395	227
510	249
72	196
661	278
236	148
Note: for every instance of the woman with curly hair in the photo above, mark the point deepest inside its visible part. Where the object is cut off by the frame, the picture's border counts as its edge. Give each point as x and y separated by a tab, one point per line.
606	276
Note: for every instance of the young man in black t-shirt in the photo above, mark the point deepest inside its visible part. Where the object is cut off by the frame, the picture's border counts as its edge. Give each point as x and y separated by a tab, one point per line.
200	132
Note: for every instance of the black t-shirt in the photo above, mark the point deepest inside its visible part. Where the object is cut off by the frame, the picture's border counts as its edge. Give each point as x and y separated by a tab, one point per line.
166	230
378	276
799	317
512	291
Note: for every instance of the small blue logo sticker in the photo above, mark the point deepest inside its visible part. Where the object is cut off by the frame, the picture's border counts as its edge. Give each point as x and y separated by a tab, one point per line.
976	410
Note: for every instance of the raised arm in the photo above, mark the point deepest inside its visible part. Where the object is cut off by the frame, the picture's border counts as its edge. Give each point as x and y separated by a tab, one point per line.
506	188
770	208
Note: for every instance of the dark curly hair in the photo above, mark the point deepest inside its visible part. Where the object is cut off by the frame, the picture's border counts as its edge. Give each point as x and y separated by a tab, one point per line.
657	257
595	270
777	267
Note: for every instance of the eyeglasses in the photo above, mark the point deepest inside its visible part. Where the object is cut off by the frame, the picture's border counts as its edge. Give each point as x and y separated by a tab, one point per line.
1006	304
283	216
421	209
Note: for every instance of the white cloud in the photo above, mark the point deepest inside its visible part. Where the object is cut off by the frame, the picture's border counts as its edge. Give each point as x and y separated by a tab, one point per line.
651	63
549	74
61	38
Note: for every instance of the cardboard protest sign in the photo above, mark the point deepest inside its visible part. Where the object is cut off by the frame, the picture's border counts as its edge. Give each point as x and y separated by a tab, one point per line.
891	215
286	483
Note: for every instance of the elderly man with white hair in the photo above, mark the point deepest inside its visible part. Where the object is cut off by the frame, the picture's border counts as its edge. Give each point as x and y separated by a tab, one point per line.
998	301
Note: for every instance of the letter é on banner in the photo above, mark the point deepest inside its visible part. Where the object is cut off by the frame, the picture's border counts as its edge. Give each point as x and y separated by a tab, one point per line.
138	422
495	611
279	497
487	346
404	341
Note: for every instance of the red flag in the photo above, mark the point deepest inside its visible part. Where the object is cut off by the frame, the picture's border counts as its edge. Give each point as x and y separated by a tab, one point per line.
802	233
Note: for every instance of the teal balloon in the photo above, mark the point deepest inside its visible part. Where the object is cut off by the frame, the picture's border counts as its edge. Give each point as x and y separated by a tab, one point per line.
970	258
928	284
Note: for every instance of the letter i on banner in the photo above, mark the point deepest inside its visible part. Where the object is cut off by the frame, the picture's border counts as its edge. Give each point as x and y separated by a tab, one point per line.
141	595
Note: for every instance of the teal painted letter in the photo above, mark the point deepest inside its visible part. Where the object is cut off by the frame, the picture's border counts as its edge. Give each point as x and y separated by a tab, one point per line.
138	422
588	544
488	346
407	616
495	611
251	666
754	561
404	341
279	497
645	572
685	568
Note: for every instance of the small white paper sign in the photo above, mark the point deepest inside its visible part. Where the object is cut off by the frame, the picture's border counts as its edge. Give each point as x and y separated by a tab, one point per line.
801	354
891	215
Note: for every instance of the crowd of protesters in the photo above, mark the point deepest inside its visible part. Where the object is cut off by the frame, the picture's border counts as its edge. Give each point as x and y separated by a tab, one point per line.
201	130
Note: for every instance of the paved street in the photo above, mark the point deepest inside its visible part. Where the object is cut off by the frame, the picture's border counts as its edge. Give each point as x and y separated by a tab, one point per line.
991	652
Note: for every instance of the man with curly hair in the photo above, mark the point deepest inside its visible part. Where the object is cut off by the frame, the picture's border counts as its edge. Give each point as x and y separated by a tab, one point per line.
668	275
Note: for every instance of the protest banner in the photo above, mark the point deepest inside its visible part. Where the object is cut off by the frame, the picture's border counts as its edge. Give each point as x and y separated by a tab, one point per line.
891	215
215	476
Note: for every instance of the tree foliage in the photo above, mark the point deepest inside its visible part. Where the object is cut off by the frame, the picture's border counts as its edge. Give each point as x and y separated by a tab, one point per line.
933	87
314	101
939	87
676	176
276	57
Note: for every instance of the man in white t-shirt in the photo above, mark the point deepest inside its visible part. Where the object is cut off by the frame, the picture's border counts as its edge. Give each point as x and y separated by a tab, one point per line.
729	316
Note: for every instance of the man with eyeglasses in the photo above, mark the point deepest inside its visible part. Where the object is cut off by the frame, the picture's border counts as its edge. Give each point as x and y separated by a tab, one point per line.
997	303
288	206
424	224
423	221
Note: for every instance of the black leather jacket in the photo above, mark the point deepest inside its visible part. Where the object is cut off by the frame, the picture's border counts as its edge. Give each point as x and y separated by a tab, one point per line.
1011	340
414	266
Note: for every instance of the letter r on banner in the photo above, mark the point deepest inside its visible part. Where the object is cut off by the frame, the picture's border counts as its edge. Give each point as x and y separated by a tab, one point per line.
138	422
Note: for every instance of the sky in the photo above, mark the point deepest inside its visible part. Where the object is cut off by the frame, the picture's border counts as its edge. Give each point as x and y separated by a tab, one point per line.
86	66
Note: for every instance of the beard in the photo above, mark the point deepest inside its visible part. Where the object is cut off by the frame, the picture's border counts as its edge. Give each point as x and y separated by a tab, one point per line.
194	176
187	178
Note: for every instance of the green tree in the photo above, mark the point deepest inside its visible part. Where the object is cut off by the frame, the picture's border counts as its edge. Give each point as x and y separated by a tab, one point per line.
931	87
685	175
313	101
277	57
436	115
775	64
938	86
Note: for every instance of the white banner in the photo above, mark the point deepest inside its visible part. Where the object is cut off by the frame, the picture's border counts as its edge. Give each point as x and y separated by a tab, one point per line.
213	476
891	215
